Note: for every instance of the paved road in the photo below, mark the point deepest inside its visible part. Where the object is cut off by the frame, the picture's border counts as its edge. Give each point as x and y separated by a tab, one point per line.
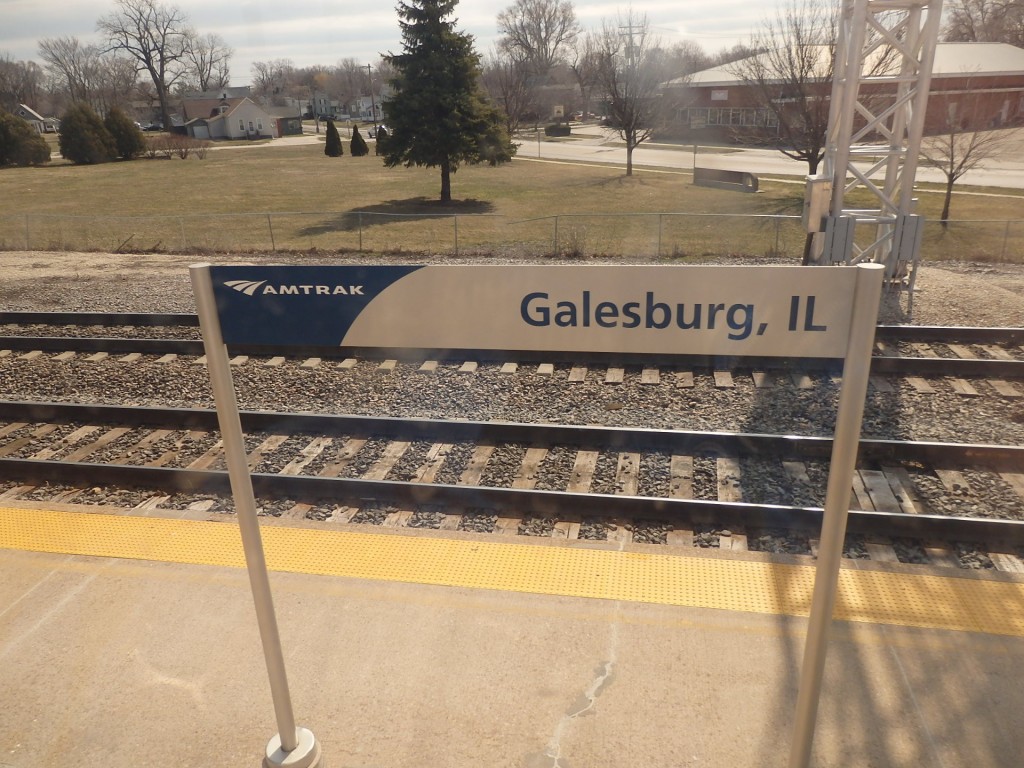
599	145
593	144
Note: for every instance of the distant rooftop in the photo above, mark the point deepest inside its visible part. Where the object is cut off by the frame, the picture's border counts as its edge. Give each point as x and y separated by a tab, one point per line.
951	60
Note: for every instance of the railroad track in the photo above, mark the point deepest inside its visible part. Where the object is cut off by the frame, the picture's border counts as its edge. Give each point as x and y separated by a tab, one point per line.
909	351
666	486
649	485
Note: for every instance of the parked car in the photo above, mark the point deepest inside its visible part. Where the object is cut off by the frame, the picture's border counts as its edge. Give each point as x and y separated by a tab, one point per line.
153	127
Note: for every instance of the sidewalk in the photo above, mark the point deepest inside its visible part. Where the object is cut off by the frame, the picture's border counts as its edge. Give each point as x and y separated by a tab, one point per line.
125	663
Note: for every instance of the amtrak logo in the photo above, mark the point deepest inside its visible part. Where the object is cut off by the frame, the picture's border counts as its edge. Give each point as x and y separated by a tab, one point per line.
252	287
248	287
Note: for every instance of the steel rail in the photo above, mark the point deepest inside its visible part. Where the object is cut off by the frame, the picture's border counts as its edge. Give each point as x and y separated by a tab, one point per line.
905	366
112	345
940	455
560	504
884	332
139	319
946	366
950	334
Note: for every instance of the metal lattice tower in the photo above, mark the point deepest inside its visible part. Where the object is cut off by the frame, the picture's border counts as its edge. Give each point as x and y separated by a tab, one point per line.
882	75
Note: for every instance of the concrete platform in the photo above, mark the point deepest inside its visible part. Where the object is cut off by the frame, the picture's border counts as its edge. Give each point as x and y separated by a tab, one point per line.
115	662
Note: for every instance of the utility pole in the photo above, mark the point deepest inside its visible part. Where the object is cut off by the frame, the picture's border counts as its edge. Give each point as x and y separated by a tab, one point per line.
373	106
627	31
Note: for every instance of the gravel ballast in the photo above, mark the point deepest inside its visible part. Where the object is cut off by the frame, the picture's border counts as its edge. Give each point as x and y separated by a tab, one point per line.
959	294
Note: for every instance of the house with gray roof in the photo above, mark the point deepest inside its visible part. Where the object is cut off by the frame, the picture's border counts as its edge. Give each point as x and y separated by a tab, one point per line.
228	118
32	117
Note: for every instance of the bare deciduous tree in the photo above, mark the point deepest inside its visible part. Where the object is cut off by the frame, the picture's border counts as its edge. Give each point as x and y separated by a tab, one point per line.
737	52
631	71
270	78
792	76
688	57
209	61
73	65
349	82
384	70
81	74
985	21
20	82
507	82
961	135
118	83
538	32
586	65
155	36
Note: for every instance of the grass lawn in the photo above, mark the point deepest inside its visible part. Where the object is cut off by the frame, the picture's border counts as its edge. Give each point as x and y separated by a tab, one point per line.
260	197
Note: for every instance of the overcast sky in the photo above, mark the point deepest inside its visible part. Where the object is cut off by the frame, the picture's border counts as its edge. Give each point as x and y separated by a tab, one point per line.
325	31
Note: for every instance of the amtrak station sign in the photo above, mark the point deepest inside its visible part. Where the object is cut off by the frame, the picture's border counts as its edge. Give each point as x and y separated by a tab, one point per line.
744	311
775	311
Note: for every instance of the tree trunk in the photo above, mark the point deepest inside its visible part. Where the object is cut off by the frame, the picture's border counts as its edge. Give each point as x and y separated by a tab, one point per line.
944	218
808	250
629	157
161	95
165	111
446	181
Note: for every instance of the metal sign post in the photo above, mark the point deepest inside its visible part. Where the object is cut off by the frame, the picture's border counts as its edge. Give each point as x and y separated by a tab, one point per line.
856	368
293	747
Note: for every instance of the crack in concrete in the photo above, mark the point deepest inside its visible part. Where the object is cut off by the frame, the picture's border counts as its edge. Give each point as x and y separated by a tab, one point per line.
586	701
551	757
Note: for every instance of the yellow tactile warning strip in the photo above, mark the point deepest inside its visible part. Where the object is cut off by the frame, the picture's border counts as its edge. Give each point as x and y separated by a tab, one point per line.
867	596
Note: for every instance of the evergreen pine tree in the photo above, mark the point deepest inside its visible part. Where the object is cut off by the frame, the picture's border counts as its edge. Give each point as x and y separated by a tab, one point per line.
83	138
437	111
20	143
382	137
127	137
358	144
333	146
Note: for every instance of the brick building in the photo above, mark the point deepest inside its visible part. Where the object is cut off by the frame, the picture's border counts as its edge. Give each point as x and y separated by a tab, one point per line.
977	83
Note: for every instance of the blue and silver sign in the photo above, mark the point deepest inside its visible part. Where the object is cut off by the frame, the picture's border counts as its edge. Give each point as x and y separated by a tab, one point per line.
769	311
296	305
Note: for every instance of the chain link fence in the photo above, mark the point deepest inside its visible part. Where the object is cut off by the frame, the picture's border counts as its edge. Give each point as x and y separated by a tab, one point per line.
677	235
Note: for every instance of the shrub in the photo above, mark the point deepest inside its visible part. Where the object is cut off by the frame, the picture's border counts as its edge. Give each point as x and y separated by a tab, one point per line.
382	137
20	143
333	147
180	145
170	144
128	138
152	150
358	144
83	138
557	129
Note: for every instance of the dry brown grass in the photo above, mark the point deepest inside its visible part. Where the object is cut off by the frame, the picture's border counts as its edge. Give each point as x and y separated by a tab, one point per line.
235	199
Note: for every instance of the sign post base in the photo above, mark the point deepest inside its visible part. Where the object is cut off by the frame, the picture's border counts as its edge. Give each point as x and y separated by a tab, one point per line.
305	755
